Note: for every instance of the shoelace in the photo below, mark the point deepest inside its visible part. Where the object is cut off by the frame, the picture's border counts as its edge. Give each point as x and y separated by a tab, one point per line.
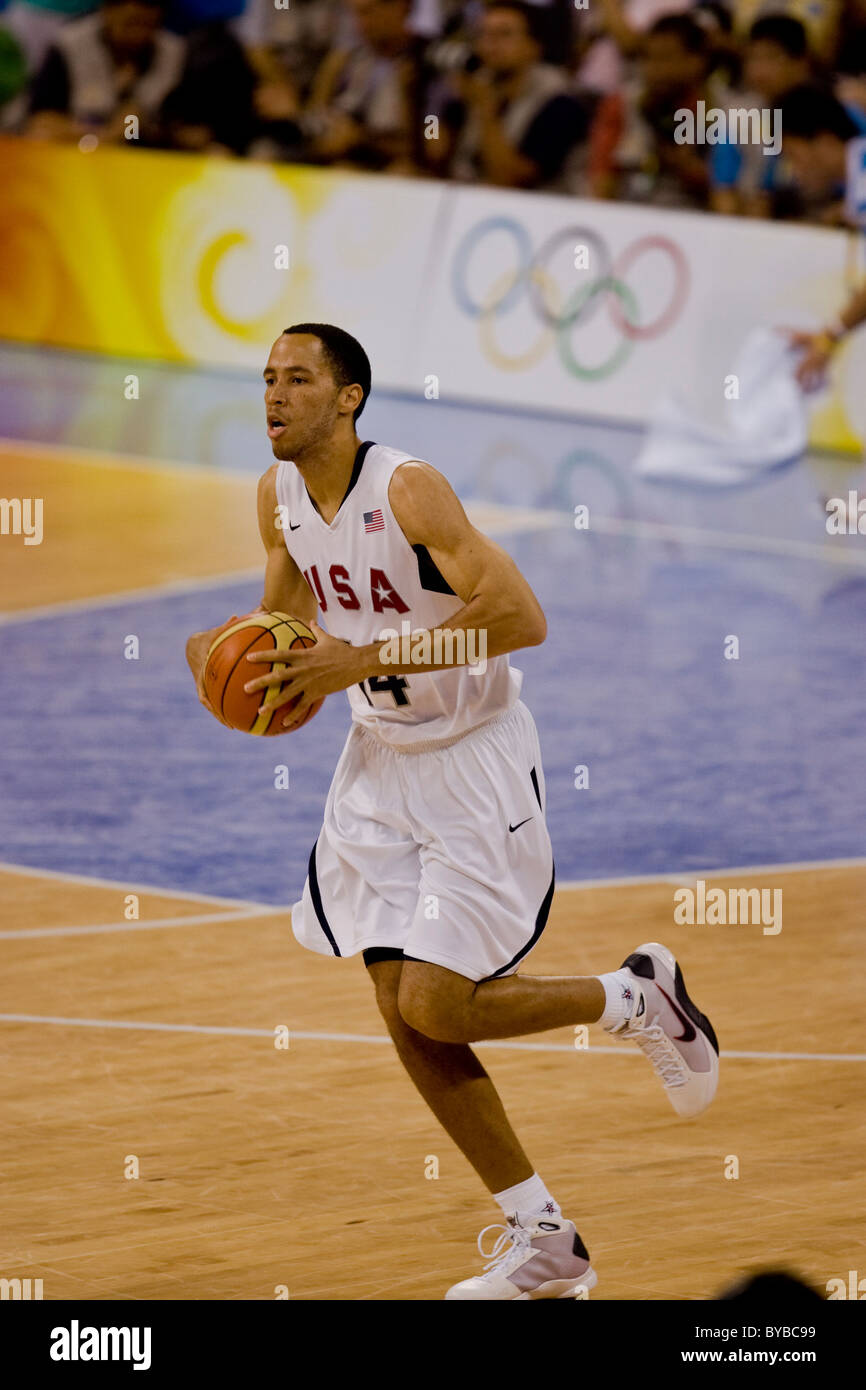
666	1060
515	1236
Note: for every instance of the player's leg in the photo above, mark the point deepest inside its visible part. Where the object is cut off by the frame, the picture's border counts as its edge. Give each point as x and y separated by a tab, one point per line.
360	895
487	884
457	1089
644	1001
448	1006
544	1255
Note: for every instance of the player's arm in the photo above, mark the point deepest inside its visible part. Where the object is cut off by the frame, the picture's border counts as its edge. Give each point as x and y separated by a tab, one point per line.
497	601
286	589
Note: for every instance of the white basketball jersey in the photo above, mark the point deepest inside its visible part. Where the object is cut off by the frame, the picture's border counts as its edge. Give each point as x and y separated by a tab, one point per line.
366	579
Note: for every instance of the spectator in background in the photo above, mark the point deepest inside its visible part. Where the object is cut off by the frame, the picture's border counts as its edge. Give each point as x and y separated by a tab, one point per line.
820	18
745	179
724	51
185	16
557	27
104	68
817	130
13	80
614	35
362	109
211	108
36	23
777	57
513	120
285	48
851	59
826	144
633	154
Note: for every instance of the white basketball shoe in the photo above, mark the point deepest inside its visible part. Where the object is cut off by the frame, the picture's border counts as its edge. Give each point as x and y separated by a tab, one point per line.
534	1257
668	1028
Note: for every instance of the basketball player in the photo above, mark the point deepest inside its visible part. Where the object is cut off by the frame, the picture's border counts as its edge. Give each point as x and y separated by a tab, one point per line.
434	860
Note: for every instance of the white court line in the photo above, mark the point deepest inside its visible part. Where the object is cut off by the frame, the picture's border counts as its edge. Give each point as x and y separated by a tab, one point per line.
501	517
572	885
171	588
490	517
733	540
499	514
124	886
378	1039
250	910
689	875
500	522
99	458
101	929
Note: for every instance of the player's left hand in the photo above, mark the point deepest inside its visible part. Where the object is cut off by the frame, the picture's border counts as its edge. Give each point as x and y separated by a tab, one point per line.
313	673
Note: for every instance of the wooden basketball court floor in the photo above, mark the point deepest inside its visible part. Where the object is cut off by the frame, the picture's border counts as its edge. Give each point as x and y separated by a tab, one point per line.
304	1170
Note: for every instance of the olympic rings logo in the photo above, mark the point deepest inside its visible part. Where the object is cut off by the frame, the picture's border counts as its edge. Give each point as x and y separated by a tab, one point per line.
607	288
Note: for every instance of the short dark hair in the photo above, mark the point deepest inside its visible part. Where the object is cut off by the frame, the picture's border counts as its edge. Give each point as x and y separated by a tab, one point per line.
532	19
784	31
691	35
349	363
808	111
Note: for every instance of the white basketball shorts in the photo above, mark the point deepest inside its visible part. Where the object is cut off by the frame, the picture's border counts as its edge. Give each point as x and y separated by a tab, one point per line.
441	854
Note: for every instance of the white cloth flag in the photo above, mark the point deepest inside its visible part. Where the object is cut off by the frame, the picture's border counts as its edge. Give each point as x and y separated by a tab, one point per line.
766	426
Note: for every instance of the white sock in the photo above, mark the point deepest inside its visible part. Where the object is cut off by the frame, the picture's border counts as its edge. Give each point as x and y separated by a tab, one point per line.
530	1197
618	998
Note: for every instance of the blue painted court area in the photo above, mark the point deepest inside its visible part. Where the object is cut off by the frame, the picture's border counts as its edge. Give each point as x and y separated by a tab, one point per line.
111	768
114	770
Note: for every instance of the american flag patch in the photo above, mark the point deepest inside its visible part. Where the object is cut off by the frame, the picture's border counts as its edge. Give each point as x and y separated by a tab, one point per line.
374	521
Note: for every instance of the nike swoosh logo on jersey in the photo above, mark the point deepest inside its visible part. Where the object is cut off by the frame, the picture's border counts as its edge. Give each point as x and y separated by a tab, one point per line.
688	1034
294	528
512	828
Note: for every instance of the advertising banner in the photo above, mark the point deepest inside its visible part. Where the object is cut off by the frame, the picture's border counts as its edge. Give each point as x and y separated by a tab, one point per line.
559	304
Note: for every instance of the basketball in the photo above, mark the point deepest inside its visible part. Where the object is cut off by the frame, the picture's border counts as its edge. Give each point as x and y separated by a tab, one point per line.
227	671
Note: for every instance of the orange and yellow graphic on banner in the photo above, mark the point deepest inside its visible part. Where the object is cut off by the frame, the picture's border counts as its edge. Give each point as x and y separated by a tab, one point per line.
162	256
184	258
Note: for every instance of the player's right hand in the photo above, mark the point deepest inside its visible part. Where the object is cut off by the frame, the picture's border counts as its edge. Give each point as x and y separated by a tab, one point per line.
202	695
197	648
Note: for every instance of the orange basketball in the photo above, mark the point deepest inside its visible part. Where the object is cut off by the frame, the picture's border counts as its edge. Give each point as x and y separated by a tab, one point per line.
227	671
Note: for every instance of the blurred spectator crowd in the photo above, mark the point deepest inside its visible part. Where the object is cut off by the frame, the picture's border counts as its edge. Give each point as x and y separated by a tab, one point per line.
569	96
